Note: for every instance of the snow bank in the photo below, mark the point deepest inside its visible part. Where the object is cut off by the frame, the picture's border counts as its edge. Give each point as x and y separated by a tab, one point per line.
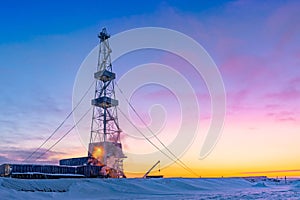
175	188
296	184
259	185
37	185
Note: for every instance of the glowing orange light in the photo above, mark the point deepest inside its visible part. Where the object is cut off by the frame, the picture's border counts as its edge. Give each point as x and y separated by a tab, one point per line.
97	153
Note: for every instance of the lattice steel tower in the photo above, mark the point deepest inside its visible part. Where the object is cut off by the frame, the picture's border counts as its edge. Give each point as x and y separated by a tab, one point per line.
105	144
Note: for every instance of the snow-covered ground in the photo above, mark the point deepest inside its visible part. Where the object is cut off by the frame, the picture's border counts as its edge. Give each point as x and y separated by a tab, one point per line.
173	188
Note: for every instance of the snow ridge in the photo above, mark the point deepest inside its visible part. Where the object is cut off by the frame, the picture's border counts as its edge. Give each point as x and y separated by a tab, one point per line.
169	188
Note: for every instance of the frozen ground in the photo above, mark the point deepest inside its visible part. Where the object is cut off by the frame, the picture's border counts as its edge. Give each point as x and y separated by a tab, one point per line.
173	188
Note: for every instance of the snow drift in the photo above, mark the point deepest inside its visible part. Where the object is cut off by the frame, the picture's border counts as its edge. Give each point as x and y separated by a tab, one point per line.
173	188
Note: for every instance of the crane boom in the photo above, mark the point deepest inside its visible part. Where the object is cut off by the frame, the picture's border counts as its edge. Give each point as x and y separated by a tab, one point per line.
151	169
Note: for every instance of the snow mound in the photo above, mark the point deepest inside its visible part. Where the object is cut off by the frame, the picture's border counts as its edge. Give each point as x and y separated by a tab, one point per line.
164	188
296	184
37	185
260	185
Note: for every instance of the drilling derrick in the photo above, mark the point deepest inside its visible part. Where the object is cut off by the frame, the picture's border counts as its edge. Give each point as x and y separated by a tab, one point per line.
105	146
105	154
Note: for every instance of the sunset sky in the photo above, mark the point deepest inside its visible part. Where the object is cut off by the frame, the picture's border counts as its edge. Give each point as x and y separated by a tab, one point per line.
255	45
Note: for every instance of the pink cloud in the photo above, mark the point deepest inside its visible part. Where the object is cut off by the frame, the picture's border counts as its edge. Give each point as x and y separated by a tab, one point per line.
13	155
283	116
272	106
246	69
287	119
295	82
237	98
161	93
285	95
256	55
282	27
246	79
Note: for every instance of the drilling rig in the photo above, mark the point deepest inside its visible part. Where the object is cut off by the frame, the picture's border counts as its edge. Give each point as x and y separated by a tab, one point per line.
105	145
105	154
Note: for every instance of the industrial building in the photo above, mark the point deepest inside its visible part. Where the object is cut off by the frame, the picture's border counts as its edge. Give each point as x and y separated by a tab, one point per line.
50	171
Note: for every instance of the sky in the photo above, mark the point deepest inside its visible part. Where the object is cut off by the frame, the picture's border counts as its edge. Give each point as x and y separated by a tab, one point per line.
254	44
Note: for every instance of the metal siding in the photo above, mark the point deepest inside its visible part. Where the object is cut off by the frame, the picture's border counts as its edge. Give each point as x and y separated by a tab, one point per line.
47	169
85	170
74	161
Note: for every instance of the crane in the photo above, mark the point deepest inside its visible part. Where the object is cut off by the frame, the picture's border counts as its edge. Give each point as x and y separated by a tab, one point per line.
160	176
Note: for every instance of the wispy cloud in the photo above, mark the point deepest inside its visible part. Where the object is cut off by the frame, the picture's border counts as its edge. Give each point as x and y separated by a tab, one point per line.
13	155
285	95
283	116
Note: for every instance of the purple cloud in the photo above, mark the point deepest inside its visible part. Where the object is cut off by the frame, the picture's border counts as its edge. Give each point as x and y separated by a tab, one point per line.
285	95
13	155
283	116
